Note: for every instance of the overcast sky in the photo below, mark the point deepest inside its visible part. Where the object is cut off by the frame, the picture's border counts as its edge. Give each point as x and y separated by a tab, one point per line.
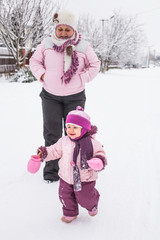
147	11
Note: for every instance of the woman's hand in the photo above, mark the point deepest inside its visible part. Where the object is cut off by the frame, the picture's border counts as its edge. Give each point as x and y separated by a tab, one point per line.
42	77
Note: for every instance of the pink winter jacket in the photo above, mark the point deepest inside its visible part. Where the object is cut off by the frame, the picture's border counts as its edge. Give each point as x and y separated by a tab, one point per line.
46	60
63	149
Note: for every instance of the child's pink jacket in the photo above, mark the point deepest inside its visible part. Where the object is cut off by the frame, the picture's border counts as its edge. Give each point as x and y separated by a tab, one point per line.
46	60
63	149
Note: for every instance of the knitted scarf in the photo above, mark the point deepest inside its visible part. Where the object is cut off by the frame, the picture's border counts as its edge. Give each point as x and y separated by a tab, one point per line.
70	60
85	147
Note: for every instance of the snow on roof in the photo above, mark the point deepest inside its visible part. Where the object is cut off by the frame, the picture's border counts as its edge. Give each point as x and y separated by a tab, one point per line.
4	51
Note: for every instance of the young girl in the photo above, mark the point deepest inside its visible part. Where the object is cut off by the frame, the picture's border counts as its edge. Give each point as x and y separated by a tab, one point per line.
81	156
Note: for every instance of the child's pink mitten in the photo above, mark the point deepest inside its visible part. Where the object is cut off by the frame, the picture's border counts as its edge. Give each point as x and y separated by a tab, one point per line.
34	164
95	163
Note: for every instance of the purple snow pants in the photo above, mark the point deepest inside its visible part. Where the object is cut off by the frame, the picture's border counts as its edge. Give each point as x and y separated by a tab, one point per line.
88	197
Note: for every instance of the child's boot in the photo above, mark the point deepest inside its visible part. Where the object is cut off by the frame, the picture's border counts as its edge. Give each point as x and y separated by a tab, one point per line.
68	219
93	212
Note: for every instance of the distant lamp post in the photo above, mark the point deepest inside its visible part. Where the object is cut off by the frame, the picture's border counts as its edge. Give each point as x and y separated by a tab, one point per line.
105	20
148	56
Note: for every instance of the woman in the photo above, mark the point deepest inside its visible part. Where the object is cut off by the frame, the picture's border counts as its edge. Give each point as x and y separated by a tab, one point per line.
63	62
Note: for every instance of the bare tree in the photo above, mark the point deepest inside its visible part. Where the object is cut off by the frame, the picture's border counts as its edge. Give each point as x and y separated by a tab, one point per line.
125	38
115	40
90	30
38	31
18	19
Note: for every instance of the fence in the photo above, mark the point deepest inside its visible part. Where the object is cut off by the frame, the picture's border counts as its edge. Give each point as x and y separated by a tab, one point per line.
7	62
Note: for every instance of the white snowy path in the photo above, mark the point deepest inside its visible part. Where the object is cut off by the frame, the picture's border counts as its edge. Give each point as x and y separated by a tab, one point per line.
125	105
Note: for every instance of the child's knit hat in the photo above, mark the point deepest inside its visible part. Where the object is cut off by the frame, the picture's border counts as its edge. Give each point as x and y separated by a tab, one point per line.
65	18
80	118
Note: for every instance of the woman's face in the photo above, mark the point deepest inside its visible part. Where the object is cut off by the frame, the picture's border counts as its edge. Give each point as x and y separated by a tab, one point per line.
64	31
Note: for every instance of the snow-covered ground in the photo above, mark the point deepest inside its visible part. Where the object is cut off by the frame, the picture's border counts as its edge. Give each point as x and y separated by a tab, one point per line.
125	105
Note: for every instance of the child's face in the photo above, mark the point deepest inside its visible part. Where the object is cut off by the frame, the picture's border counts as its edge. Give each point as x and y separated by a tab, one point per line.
73	131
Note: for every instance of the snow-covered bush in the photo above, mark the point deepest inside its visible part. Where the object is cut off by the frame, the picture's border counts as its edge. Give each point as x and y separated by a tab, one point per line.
24	75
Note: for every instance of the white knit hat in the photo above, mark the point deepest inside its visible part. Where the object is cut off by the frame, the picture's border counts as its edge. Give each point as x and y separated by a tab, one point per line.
65	18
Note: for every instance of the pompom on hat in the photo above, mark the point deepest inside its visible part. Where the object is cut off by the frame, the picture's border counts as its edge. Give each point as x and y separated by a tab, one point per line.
64	17
80	118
